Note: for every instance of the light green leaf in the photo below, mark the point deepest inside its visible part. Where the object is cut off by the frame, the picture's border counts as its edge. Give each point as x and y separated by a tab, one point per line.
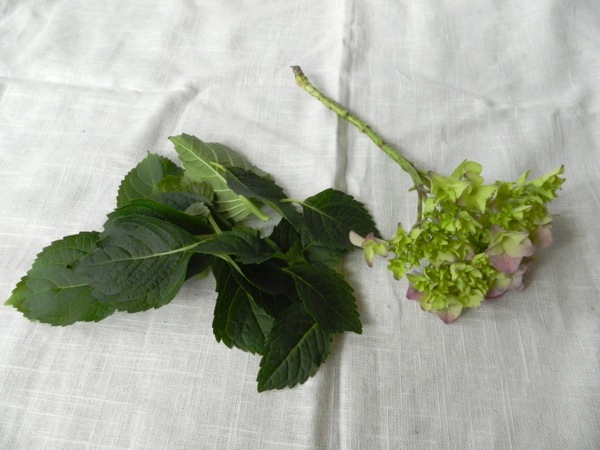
201	188
199	158
54	293
170	183
139	263
265	190
198	209
143	180
296	347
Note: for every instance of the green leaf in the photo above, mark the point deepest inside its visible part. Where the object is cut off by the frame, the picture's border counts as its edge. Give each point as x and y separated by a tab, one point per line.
54	293
151	208
238	321
269	286
268	276
331	215
317	252
251	185
139	263
180	200
198	157
176	184
170	183
201	188
199	265
285	235
198	209
326	297
296	347
143	179
263	189
245	245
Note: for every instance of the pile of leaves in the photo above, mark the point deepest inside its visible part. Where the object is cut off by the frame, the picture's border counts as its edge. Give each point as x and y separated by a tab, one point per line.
278	296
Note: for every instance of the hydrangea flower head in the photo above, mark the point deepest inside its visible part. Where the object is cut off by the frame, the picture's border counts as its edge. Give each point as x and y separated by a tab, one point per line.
474	242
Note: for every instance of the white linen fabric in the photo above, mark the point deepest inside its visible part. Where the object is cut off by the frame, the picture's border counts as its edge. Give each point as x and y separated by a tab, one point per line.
87	88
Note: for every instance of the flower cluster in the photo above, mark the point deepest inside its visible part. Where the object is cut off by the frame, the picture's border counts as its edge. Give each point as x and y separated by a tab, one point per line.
475	240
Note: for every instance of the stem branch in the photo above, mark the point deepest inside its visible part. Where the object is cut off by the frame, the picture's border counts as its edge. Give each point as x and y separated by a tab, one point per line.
419	177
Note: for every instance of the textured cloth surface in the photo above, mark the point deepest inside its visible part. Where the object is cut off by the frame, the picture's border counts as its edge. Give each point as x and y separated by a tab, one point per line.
87	88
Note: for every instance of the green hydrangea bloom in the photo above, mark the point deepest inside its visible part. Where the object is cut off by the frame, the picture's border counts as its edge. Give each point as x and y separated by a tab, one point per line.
475	241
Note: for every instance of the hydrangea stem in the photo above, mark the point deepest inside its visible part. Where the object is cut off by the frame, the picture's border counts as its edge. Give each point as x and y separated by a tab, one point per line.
419	177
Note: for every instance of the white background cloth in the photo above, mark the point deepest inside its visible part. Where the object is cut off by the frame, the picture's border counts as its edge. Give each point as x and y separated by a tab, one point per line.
87	88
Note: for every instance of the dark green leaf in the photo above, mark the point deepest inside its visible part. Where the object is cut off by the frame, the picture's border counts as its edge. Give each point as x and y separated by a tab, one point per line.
245	245
331	215
269	286
326	297
273	304
317	252
180	200
199	265
251	185
238	321
285	235
151	208
296	347
140	263
268	276
143	179
52	292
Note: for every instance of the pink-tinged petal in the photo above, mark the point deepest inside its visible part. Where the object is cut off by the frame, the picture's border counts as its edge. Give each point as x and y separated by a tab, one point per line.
542	237
516	283
495	293
527	248
450	314
505	263
413	294
518	244
507	282
495	230
356	239
500	286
